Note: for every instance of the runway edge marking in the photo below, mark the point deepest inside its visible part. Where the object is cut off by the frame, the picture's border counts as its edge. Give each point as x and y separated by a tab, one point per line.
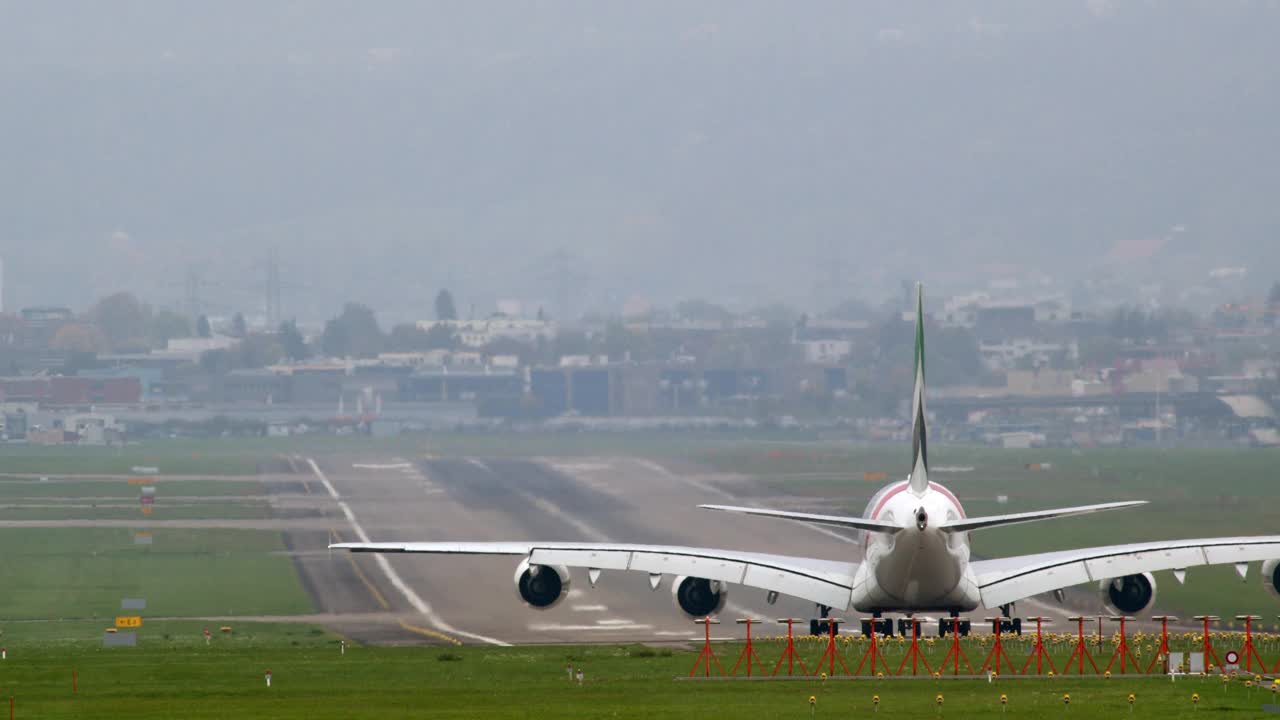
392	576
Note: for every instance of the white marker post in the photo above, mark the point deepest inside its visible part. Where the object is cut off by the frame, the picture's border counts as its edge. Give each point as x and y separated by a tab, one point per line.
207	635
579	676
4	653
342	647
268	676
569	669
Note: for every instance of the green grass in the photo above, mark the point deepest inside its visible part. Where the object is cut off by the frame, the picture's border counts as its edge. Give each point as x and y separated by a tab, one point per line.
85	572
57	487
181	678
171	510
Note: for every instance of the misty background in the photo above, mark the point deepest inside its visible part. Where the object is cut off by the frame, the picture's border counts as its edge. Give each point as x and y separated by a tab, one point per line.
586	156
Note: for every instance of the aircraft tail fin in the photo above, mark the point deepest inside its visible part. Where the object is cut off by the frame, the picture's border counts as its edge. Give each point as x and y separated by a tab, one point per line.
919	478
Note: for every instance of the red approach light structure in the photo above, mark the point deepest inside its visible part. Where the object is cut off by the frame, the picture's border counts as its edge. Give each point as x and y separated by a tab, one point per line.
1122	648
1249	651
1208	643
748	652
707	656
789	654
1162	652
1081	650
832	654
956	653
1276	670
1038	652
997	651
913	653
873	653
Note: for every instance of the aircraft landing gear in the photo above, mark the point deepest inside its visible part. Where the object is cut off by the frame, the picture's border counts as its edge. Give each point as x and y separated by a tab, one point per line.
820	625
946	626
877	624
1009	624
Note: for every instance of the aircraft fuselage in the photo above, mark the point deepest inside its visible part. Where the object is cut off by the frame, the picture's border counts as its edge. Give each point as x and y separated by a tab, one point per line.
920	568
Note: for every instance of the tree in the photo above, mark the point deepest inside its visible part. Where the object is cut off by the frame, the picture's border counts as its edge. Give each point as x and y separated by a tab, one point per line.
334	341
78	338
238	327
167	324
354	333
257	351
202	327
292	342
407	337
441	337
445	309
703	311
123	319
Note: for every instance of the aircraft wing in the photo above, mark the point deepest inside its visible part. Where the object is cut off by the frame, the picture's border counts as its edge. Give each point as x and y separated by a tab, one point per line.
821	581
1010	579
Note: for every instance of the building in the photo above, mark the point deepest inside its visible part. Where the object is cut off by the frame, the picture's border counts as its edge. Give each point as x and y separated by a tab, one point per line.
478	333
69	390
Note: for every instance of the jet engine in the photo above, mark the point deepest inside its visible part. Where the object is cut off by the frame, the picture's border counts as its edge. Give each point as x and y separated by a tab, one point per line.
1130	594
1271	577
541	586
699	597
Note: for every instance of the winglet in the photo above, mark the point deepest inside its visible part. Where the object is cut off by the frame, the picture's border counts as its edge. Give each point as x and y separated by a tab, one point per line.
919	479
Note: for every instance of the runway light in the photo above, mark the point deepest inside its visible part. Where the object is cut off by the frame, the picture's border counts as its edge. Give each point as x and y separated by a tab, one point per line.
1066	698
1132	700
1195	700
1004	701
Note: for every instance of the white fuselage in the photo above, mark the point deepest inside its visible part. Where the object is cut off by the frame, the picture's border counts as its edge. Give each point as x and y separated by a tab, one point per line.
920	568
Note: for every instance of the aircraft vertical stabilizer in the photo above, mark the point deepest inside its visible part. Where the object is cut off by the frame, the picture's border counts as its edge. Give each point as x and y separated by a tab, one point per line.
919	480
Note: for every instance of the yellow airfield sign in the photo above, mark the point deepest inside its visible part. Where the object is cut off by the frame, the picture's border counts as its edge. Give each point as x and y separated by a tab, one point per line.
128	621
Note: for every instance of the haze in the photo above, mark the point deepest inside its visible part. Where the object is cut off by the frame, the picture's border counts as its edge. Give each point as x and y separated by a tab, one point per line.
589	154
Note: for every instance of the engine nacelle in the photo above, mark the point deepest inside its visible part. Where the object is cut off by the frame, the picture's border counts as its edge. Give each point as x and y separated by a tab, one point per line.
1271	577
699	597
541	587
1128	595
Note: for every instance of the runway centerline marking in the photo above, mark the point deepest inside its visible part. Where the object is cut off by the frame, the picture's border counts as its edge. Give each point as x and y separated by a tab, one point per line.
392	576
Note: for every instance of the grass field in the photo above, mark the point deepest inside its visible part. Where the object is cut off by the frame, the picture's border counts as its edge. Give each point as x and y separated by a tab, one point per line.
179	677
52	573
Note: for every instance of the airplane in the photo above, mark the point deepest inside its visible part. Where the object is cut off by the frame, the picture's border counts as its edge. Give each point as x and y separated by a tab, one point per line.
916	557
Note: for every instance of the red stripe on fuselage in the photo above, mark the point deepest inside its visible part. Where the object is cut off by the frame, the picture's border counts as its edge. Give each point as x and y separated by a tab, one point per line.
875	514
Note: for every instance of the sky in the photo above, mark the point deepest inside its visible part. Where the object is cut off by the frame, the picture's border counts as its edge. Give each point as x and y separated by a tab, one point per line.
584	156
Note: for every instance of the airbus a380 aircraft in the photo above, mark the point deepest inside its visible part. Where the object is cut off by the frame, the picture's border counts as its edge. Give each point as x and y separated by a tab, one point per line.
915	558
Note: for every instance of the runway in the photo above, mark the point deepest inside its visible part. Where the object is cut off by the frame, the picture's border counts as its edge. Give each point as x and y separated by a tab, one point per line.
598	499
412	598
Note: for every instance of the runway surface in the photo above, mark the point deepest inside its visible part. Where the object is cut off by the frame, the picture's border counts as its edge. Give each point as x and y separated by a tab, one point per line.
473	600
412	598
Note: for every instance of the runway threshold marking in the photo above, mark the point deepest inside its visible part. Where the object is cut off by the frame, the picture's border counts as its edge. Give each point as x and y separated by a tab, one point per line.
392	576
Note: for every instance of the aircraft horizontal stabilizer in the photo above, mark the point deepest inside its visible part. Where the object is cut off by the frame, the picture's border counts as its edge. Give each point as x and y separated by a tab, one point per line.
833	520
979	523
